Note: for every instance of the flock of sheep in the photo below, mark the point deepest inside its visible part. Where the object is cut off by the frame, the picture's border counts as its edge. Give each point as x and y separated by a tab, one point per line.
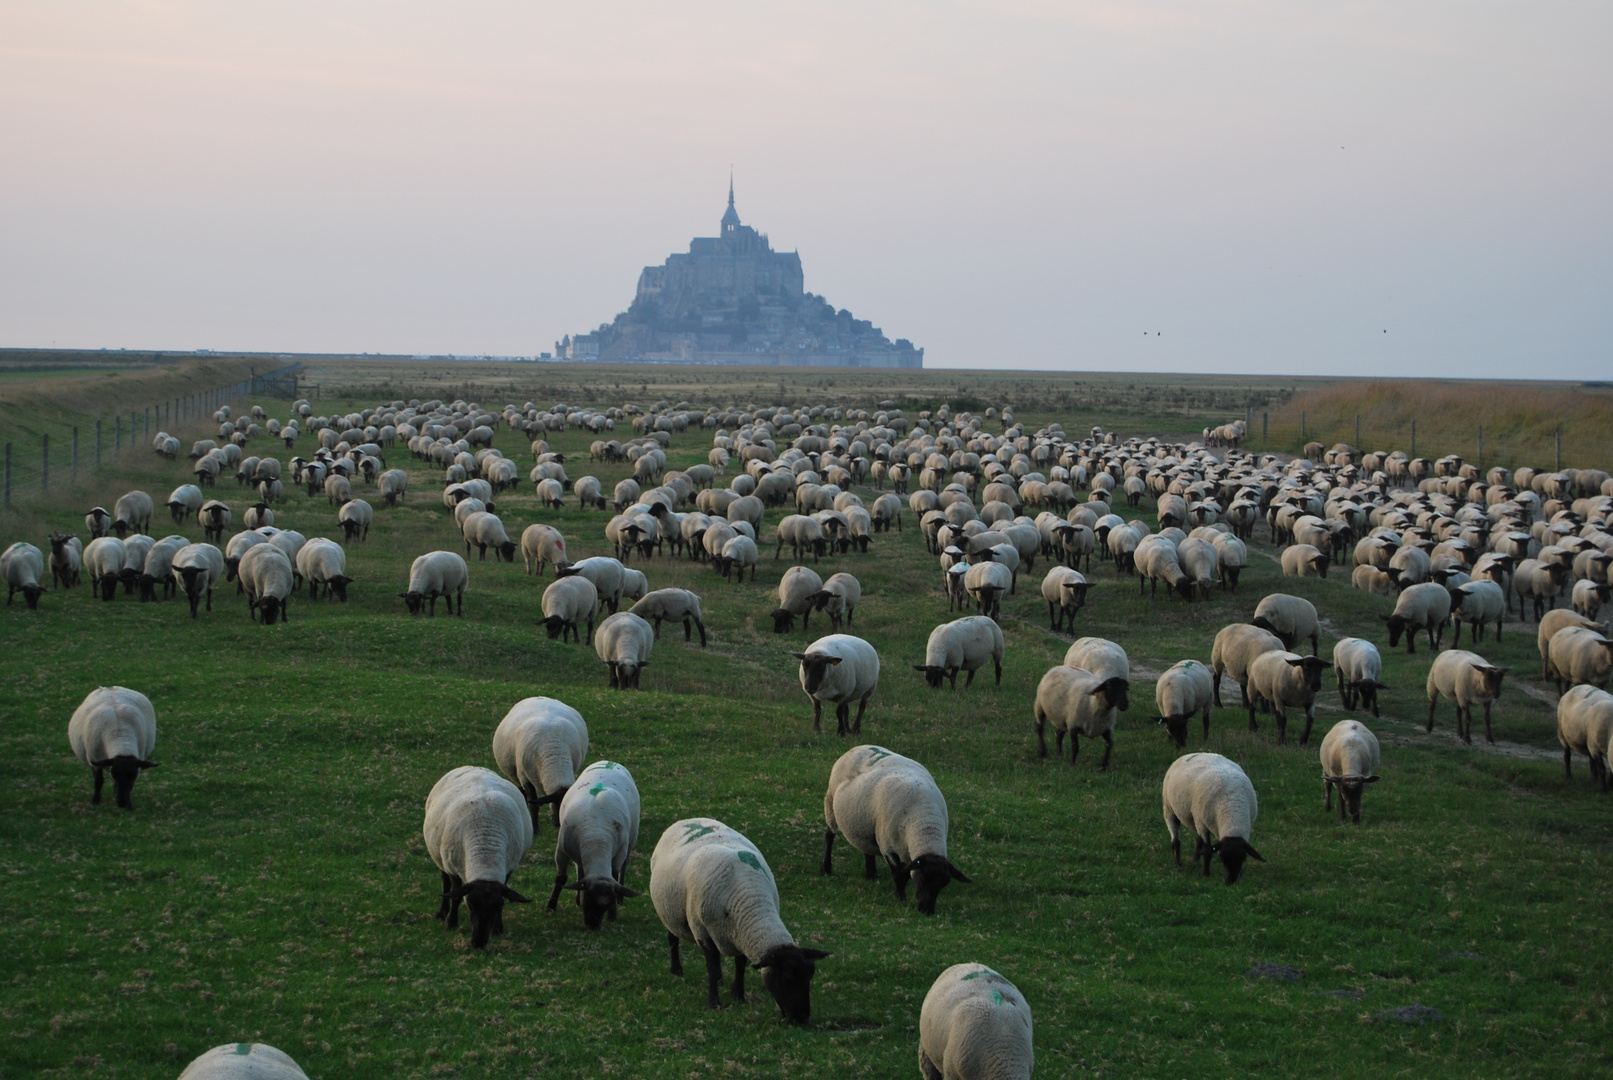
1448	544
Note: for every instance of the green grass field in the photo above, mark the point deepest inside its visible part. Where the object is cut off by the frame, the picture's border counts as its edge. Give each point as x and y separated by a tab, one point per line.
272	885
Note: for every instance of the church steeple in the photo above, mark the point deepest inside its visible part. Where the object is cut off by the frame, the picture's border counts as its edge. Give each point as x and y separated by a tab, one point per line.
730	218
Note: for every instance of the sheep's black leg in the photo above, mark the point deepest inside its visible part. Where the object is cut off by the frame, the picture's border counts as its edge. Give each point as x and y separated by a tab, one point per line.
677	956
1075	746
1108	747
1176	848
817	715
739	978
100	778
1041	738
713	974
559	883
870	868
898	878
828	852
1209	853
1489	737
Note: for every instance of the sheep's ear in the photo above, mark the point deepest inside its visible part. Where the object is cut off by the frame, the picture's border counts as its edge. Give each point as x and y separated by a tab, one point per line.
575	886
510	894
1254	854
403	596
814	954
104	763
959	875
1385	618
833	660
147	764
624	893
799	656
1371	779
921	667
1298	661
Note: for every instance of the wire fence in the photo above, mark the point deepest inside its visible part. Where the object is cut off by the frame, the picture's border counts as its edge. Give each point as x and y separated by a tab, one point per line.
65	454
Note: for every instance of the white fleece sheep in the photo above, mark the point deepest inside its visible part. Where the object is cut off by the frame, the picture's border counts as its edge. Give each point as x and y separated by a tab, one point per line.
243	1061
1284	680
797	594
604	571
1586	599
158	567
840	669
598	829
23	565
802	534
1200	563
1100	656
540	744
738	553
839	597
104	560
236	546
711	886
1156	560
1291	618
624	641
1585	724
1465	679
1349	762
962	645
1079	702
1184	688
1304	560
355	517
132	511
1425	607
1555	621
1065	591
268	578
185	501
477	832
635	586
434	574
674	606
888	806
975	1025
393	485
324	562
1580	657
483	530
1213	798
114	730
988	582
1478	603
1357	666
196	569
568	603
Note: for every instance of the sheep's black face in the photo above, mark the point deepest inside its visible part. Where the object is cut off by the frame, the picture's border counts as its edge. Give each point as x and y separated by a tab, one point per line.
783	621
1397	626
413	601
815	666
1117	692
931	874
507	550
1186	590
125	770
271	607
31	594
555	626
1175	728
1314	668
1350	791
109	586
599	898
1234	852
485	902
787	973
933	674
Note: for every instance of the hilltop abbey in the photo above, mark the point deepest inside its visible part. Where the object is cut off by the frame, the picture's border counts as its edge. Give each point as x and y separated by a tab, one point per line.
732	299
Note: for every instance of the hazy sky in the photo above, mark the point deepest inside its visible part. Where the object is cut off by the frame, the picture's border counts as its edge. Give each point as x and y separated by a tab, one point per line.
1268	186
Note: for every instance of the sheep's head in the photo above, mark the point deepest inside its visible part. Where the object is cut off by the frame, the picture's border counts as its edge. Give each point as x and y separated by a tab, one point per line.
1075	594
1234	851
934	674
122	528
485	901
599	897
338	585
1116	693
506	551
931	874
1313	668
787	972
1320	563
1175	728
148	587
272	608
783	620
125	770
814	668
555	625
31	593
1186	589
1492	675
1397	626
413	600
1350	788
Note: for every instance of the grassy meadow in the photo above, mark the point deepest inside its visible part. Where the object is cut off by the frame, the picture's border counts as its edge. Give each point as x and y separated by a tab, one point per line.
272	883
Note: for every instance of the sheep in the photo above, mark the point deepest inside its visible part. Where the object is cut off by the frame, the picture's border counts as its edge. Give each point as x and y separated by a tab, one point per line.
1281	680
269	579
1349	762
1305	560
598	829
1291	618
185	500
338	489
66	560
1539	581
567	602
1466	679
196	568
540	744
1079	702
22	565
132	511
1156	560
393	485
1427	607
711	886
135	550
257	516
477	833
801	533
1370	579
1579	657
605	572
543	546
355	516
962	645
797	593
987	582
1357	665
1103	658
841	669
672	605
114	730
1587	599
290	543
485	531
839	597
975	1025
215	518
550	492
1213	797
1065	591
98	522
103	561
236	547
738	553
158	567
588	493
623	642
323	562
888	805
1585	724
243	1061
1185	688
635	586
1479	603
1200	562
1555	621
1409	565
434	574
887	510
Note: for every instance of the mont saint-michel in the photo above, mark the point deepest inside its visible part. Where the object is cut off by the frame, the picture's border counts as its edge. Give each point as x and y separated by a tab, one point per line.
732	299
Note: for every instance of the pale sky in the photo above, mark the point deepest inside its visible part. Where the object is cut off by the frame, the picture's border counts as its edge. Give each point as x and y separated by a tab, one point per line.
1259	186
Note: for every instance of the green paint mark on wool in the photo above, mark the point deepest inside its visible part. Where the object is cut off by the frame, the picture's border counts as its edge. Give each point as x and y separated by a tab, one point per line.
996	998
877	752
975	974
243	1049
696	832
596	789
750	860
606	765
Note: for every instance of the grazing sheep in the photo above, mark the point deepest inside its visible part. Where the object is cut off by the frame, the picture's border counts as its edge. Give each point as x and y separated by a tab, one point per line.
1289	617
1304	560
738	553
839	668
623	641
1235	648
606	573
393	485
887	510
185	501
434	574
1425	607
1282	680
540	744
542	546
839	597
243	1061
1585	724
802	534
1479	603
1540	582
635	586
1579	657
588	493
135	550
114	731
236	547
987	582
1156	560
1185	688
485	530
975	1025
1065	591
598	821
477	832
962	645
355	516
22	565
1350	763
1587	599
132	511
1555	621
1212	797
797	593
1357	665
887	805
711	886
104	560
66	560
269	579
1200	563
1079	702
323	562
1100	656
215	518
567	602
196	569
1370	579
1231	557
1466	679
675	606
158	568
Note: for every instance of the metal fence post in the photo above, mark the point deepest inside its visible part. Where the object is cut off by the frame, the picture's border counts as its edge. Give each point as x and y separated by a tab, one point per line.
117	432
1265	421
98	444
1481	446
1302	432
1414	438
8	476
75	449
1358	431
1559	467
44	465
